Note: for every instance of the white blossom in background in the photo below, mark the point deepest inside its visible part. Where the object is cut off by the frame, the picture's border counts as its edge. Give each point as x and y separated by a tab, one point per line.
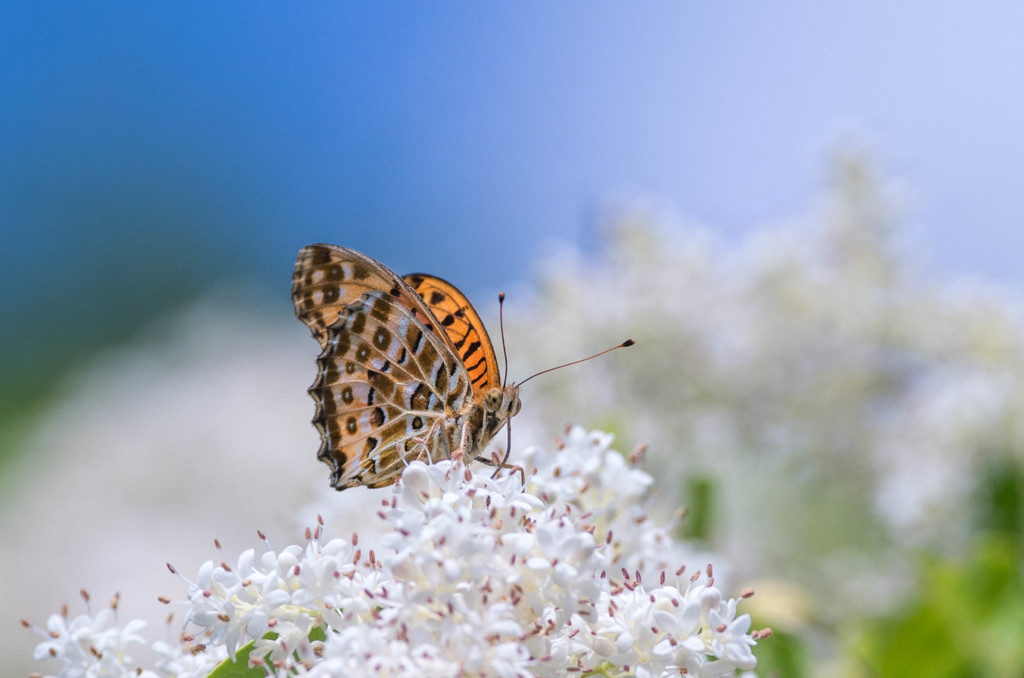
841	400
91	644
473	576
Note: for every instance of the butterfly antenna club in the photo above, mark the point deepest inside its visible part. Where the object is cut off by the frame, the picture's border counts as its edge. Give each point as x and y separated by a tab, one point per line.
625	344
501	328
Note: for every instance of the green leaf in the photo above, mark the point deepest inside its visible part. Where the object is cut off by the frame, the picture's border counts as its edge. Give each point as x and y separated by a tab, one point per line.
964	621
783	655
239	668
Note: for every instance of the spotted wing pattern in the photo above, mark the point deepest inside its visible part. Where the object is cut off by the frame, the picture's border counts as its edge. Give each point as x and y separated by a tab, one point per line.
389	383
382	390
327	278
463	326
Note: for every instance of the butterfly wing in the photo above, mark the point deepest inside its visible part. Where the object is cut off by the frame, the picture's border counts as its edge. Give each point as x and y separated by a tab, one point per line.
465	330
400	363
327	278
385	386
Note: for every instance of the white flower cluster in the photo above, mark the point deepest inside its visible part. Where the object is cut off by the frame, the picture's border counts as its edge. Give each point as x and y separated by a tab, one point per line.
91	644
478	576
97	645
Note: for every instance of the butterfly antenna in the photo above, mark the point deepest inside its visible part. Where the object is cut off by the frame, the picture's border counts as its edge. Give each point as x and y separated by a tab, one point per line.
504	352
501	327
627	342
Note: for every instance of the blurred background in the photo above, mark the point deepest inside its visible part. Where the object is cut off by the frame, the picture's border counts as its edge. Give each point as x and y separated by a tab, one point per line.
807	217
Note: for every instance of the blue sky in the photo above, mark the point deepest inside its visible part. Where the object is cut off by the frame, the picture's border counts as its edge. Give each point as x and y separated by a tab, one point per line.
144	141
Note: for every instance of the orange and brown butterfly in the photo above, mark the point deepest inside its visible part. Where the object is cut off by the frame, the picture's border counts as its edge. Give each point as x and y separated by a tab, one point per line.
406	369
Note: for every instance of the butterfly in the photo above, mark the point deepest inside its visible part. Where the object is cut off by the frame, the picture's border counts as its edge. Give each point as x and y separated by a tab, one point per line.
406	369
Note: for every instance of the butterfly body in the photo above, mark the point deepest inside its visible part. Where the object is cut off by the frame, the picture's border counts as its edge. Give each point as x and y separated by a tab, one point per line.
406	369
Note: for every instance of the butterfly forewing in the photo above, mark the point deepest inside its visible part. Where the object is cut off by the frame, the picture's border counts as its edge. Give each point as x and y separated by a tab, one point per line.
327	278
384	385
463	326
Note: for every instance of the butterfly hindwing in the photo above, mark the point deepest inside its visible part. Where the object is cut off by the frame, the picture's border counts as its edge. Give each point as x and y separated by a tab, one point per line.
384	385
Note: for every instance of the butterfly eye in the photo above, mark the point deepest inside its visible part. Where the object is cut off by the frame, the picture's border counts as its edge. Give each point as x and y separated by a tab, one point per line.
492	399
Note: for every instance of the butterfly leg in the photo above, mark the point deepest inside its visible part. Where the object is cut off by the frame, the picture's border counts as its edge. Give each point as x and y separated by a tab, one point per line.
447	445
423	444
426	453
460	452
498	463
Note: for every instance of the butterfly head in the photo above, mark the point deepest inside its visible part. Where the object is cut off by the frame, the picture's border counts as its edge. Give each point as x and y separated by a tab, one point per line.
492	412
502	402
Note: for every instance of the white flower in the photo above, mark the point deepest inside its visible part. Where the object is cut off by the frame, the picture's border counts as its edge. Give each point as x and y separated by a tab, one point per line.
286	592
92	645
363	651
188	661
477	576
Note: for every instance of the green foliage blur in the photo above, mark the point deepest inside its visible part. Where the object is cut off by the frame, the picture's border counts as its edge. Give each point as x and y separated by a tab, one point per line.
966	618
